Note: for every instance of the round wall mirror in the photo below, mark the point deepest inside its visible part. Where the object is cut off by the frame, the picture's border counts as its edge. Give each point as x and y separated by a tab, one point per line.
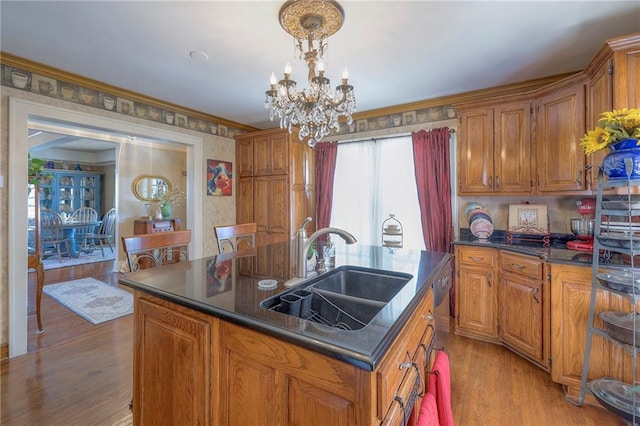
151	188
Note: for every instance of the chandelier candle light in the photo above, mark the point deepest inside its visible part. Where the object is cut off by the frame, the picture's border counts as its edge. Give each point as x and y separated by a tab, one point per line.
316	112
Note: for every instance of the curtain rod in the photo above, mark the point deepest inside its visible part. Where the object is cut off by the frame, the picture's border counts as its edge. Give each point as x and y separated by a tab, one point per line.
397	135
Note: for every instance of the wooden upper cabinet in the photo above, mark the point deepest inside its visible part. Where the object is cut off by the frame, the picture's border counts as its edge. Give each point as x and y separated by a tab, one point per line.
494	149
270	154
244	157
614	83
475	151
560	124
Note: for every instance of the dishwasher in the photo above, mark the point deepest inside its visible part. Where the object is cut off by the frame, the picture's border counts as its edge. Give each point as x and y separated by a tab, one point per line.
441	291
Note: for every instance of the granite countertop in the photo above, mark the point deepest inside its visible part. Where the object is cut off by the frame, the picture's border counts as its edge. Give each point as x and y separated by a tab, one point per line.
197	285
557	252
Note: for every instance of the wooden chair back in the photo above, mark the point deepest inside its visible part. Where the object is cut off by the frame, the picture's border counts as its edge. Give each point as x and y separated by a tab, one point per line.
82	215
150	250
236	237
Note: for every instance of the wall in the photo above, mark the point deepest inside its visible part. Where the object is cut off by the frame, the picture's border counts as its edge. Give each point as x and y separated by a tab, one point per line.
215	210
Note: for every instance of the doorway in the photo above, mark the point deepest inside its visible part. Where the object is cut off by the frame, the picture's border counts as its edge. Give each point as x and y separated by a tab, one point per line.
21	112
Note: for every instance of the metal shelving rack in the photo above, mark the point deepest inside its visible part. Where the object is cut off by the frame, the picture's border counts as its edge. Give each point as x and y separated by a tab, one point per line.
608	241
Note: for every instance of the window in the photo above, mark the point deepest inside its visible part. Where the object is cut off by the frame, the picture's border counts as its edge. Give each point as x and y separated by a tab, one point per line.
375	178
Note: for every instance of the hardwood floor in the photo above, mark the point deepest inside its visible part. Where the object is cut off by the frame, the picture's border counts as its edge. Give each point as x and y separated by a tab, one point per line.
79	374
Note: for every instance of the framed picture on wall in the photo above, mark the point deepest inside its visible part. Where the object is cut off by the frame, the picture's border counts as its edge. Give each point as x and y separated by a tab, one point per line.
219	174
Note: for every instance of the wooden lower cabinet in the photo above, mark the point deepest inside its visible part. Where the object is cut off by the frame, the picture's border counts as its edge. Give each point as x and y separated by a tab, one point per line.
502	297
571	291
524	306
192	368
476	293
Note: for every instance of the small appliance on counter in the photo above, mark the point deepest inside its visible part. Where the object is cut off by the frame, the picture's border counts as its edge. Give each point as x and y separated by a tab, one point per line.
584	227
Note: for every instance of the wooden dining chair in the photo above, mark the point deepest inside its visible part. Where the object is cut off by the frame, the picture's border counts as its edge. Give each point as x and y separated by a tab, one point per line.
52	234
236	237
85	234
150	250
106	232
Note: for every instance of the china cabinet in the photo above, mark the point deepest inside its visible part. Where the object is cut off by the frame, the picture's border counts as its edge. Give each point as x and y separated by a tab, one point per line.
68	190
616	232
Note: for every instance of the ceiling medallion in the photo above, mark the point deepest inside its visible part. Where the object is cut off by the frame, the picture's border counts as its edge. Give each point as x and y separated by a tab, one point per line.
317	109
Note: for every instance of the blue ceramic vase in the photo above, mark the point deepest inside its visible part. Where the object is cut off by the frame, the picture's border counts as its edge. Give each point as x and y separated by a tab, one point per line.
613	164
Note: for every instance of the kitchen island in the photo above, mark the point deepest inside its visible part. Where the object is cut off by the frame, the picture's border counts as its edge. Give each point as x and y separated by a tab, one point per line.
206	352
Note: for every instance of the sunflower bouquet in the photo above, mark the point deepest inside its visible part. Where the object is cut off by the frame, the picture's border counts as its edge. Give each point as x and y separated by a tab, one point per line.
612	127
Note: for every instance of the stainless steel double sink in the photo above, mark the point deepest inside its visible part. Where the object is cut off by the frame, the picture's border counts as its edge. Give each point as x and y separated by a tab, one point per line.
348	297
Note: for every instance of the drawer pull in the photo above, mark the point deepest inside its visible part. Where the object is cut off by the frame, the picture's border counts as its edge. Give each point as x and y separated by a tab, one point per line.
404	365
535	295
516	266
428	316
476	259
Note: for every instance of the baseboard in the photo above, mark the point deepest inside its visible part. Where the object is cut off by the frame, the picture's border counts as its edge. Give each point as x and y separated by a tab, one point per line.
4	353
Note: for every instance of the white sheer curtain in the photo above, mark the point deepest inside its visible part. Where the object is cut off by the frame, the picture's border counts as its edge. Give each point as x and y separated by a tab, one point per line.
372	180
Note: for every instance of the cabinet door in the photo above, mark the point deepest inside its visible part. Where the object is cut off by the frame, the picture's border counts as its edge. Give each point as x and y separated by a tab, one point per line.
269	382
560	125
626	86
166	391
244	200
261	155
475	152
244	157
571	293
521	315
476	302
279	155
512	148
599	99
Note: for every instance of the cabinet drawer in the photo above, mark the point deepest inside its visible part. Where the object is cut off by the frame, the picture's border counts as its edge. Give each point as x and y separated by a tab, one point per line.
404	352
476	255
405	400
527	266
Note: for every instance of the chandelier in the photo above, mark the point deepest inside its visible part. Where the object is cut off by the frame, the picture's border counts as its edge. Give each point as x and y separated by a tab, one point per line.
315	111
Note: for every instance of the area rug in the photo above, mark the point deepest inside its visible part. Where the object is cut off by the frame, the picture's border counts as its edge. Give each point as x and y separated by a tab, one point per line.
53	262
92	299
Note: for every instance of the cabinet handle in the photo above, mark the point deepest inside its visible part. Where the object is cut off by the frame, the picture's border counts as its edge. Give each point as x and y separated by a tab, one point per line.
579	178
476	259
535	295
497	182
489	280
516	266
428	316
404	365
491	181
588	168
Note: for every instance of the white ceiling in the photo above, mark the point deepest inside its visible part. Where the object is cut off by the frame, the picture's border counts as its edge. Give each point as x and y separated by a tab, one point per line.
396	51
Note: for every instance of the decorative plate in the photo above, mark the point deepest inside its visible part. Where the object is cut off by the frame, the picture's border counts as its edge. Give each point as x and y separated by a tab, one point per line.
528	219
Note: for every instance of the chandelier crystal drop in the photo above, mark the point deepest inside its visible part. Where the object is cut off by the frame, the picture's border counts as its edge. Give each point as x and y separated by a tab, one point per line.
314	110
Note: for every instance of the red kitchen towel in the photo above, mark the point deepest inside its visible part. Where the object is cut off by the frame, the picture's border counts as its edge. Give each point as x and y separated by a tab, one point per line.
440	386
428	415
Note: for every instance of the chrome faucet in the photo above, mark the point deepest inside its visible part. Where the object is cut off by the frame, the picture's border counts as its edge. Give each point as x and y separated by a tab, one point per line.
303	243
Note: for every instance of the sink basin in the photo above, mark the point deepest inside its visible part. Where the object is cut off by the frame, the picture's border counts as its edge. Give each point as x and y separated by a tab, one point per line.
347	297
364	283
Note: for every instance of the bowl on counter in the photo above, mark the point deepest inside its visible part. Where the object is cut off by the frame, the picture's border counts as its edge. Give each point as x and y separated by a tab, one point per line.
583	228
